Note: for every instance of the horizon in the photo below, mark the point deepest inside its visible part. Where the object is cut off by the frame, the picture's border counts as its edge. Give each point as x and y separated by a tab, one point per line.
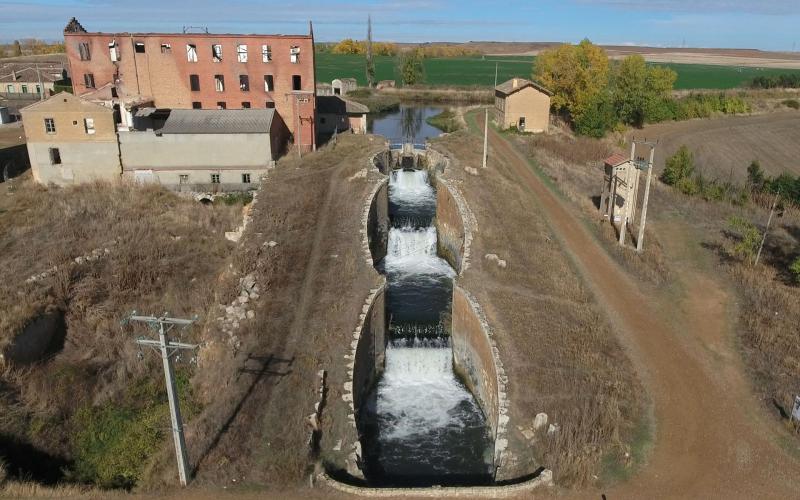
709	24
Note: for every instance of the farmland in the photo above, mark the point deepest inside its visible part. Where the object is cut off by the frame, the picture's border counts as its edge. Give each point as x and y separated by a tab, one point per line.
471	71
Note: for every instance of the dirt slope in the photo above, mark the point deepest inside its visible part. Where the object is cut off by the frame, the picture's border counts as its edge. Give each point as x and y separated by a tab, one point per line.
711	440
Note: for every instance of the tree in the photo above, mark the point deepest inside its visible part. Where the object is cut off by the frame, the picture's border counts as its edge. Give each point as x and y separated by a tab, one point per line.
598	117
679	166
749	238
576	74
641	92
17	51
410	67
370	62
794	268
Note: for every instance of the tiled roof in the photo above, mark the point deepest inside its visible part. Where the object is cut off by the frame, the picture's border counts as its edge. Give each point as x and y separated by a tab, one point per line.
218	121
508	87
332	104
616	159
26	73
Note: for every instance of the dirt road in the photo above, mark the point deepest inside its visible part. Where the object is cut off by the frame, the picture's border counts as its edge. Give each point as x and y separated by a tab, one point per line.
711	440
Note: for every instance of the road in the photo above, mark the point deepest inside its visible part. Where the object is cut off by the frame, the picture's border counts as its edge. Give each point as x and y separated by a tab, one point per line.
711	438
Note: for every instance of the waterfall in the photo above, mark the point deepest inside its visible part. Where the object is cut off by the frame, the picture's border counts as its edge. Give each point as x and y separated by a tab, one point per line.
421	424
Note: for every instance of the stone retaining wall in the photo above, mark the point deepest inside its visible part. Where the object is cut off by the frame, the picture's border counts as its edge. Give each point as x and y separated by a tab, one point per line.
378	222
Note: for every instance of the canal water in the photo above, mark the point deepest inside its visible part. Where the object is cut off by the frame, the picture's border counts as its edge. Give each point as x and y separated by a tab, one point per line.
406	124
421	426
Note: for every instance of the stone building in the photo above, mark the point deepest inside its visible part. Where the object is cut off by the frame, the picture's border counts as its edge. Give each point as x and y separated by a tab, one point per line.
31	80
200	71
202	150
341	86
71	141
335	114
522	104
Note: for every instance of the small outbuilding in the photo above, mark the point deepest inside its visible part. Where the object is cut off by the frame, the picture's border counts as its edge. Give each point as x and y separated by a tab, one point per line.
522	104
341	86
335	114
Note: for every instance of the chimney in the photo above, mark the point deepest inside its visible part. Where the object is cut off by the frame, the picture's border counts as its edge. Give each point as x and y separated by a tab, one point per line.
514	83
13	75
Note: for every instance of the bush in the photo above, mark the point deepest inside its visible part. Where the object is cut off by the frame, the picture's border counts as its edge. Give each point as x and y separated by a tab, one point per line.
679	166
749	238
446	121
791	103
598	117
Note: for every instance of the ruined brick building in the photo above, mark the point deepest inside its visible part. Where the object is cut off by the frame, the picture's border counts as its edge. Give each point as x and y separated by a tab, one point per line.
128	71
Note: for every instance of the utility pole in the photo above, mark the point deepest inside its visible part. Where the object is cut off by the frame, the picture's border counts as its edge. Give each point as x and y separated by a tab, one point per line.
41	87
643	221
162	325
769	221
626	213
370	62
486	125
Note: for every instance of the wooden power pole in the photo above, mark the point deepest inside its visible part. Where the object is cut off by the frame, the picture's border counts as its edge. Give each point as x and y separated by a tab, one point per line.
769	221
162	325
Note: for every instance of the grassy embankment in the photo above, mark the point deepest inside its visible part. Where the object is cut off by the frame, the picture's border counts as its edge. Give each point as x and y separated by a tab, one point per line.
90	411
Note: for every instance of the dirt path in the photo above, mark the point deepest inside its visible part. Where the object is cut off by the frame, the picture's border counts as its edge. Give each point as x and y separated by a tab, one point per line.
710	441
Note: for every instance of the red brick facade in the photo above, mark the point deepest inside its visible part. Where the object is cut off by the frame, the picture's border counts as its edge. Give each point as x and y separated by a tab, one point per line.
159	66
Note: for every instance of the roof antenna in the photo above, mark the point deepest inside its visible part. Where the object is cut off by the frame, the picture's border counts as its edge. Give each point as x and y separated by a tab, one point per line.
197	29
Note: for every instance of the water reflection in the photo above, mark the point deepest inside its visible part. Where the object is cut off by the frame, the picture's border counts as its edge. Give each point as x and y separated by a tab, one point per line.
407	124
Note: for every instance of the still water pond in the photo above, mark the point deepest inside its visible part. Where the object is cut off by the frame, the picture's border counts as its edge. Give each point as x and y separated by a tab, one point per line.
406	124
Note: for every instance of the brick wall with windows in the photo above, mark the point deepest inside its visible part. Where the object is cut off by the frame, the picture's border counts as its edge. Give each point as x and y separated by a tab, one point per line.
160	66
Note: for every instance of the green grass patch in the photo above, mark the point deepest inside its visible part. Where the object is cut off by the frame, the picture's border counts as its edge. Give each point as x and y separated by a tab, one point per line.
376	103
239	198
113	442
479	71
446	121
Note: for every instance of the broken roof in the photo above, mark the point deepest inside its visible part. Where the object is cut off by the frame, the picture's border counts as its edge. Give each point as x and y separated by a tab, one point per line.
335	105
616	159
218	121
509	88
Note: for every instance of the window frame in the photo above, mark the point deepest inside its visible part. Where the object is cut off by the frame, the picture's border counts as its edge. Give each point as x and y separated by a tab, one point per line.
137	46
266	53
222	105
88	81
219	83
194	83
215	179
49	126
246	179
241	52
269	83
246	105
244	83
88	126
191	52
166	48
183	179
216	57
297	82
84	51
55	156
294	54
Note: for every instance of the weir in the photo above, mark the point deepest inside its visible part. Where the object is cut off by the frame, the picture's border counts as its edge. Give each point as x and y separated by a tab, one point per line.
420	425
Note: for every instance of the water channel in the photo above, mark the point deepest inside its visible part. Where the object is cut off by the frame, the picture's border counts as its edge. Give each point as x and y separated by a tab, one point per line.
407	124
420	426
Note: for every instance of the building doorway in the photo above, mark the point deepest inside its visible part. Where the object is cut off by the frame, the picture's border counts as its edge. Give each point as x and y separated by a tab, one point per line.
521	124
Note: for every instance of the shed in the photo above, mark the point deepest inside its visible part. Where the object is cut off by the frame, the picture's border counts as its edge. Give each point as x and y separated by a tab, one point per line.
341	86
335	114
522	104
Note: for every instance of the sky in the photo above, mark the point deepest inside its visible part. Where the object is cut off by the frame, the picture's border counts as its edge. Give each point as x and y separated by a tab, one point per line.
761	24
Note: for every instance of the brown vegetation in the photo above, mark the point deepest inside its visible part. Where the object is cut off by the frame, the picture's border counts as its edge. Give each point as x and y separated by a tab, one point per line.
557	347
164	254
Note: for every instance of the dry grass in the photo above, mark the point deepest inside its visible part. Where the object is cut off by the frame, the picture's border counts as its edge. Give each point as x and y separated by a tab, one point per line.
574	165
165	253
559	352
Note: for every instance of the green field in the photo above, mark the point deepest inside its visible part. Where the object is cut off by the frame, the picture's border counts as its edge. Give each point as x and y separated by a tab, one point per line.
480	71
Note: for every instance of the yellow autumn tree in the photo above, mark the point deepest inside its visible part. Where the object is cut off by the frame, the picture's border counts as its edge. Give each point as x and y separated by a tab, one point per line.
576	74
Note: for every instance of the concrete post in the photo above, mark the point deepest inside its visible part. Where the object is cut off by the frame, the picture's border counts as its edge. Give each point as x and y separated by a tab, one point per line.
640	239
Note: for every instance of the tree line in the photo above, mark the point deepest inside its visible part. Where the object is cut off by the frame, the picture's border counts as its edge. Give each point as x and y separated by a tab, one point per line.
784	81
351	46
597	95
30	46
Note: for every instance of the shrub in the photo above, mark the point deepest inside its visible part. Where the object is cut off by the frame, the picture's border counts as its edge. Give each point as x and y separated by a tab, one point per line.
597	118
749	238
688	186
794	268
792	103
679	166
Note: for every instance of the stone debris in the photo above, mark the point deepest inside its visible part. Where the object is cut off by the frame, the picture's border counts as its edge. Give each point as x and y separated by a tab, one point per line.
240	309
237	234
553	429
471	170
493	257
539	421
92	256
361	174
271	244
